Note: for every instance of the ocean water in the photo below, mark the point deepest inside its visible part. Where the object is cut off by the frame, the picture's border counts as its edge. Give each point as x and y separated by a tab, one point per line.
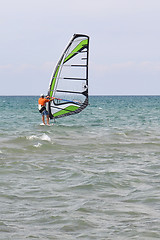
95	175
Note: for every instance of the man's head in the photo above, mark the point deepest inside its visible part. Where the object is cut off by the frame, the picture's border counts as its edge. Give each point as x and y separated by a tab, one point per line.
42	95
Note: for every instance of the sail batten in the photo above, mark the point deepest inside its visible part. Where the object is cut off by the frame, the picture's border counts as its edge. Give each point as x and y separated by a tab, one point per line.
68	91
69	81
78	65
75	65
74	78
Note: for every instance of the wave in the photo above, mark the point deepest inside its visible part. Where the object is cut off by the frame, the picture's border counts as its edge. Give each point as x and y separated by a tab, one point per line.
43	137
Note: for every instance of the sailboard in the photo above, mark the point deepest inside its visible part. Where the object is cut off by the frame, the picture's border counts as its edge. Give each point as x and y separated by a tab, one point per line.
69	81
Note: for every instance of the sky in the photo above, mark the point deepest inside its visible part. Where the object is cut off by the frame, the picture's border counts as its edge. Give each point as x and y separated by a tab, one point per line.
124	35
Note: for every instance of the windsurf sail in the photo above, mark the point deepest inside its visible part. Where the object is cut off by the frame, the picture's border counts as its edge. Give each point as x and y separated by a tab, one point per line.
69	81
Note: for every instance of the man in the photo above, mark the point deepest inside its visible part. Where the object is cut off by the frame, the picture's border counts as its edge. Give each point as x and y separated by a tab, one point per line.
42	107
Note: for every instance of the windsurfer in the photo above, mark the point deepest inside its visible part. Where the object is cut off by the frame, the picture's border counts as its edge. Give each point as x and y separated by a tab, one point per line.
42	107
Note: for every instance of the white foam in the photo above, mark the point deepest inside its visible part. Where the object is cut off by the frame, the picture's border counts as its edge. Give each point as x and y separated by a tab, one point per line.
37	145
45	137
32	137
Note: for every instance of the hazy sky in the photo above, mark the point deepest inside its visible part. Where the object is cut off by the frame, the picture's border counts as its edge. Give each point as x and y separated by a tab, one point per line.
124	44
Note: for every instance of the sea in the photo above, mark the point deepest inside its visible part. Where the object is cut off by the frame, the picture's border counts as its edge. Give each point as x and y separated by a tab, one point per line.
93	175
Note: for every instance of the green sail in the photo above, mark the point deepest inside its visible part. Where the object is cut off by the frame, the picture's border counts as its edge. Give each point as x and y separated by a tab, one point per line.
69	81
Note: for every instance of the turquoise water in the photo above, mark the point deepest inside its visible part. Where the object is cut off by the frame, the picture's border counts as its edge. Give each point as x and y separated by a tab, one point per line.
95	175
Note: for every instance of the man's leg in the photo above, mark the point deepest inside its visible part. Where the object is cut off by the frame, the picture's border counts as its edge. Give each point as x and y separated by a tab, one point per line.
47	119
43	120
